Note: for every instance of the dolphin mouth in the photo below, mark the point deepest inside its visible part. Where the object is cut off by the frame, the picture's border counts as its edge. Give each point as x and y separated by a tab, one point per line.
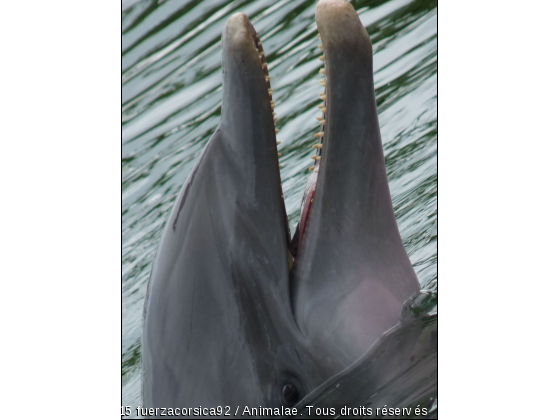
313	178
318	147
240	25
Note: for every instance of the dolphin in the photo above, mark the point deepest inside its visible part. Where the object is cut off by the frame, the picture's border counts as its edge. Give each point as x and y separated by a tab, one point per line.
241	315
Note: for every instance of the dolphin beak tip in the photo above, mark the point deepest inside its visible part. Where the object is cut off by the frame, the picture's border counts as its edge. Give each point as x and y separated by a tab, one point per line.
239	17
333	6
338	22
238	31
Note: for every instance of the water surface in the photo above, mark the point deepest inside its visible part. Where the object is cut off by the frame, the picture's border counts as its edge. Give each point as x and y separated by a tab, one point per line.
171	102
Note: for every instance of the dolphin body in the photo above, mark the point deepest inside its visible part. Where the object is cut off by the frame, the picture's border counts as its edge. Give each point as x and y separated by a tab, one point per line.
229	321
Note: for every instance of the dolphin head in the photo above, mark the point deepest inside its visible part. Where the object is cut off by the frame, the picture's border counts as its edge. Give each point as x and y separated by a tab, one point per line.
228	320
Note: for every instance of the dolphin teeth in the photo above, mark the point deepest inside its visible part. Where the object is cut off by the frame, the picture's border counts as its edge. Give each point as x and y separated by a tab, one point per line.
322	58
319	134
259	44
275	119
316	170
323	97
278	142
315	157
264	65
270	91
323	83
312	167
273	106
277	130
323	71
267	78
317	146
320	47
279	154
323	108
322	122
319	118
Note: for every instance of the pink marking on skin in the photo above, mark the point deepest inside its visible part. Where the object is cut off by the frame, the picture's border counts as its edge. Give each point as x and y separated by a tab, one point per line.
369	311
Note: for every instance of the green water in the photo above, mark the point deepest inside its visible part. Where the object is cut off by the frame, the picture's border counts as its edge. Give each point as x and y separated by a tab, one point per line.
171	99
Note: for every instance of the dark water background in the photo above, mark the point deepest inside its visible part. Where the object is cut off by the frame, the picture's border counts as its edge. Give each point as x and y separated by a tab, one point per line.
171	99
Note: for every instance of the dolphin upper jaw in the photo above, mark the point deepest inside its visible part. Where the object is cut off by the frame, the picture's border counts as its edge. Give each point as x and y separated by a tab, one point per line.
247	102
248	128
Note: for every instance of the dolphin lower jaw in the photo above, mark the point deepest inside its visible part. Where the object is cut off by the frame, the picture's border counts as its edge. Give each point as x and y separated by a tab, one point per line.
348	120
351	274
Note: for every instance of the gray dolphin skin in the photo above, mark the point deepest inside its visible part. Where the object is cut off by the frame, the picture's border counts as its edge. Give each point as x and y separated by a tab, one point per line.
352	273
239	314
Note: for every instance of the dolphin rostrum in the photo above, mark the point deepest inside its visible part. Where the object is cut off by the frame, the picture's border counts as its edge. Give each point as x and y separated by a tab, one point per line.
238	314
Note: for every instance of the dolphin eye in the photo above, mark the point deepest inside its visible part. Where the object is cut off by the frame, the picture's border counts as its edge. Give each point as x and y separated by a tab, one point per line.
290	394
